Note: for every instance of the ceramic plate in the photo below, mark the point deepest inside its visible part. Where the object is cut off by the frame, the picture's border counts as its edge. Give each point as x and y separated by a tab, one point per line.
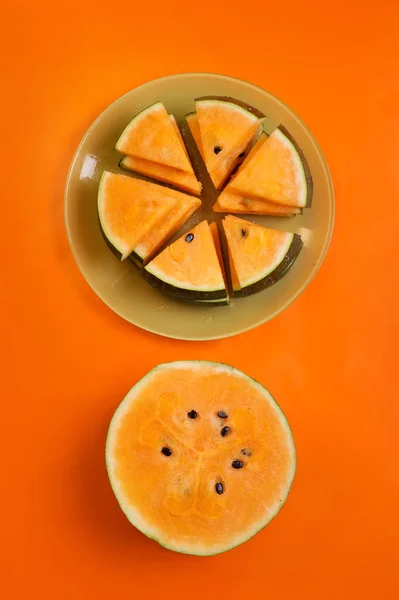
120	285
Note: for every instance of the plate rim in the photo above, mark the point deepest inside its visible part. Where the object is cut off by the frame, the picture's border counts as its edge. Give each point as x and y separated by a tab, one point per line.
261	321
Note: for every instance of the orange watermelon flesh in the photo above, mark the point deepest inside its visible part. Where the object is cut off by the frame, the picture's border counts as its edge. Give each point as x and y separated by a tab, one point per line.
235	284
158	236
224	126
276	173
232	203
152	136
172	497
216	240
259	255
130	208
222	171
189	268
185	181
218	247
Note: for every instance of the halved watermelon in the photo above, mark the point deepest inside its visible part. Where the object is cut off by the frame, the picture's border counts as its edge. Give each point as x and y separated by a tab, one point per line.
224	127
259	256
229	162
129	208
278	173
200	457
152	136
159	235
189	268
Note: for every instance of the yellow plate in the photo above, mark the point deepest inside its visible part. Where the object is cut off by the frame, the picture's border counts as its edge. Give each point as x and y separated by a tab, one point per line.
120	285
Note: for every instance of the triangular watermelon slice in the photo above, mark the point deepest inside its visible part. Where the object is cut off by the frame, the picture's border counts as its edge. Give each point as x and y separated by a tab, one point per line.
259	256
230	201
129	208
189	268
278	173
229	162
224	127
159	235
152	136
185	181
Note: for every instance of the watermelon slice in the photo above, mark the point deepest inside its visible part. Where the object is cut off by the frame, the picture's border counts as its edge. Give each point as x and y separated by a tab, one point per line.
233	203
277	173
184	181
129	208
218	247
158	236
152	136
259	256
189	268
229	162
224	127
199	456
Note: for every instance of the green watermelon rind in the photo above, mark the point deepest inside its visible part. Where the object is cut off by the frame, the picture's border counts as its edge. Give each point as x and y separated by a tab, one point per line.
133	516
181	293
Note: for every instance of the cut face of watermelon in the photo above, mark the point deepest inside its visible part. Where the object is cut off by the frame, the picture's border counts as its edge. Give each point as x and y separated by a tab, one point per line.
229	162
259	256
155	239
129	209
185	181
199	456
189	268
158	236
151	136
278	172
230	202
224	127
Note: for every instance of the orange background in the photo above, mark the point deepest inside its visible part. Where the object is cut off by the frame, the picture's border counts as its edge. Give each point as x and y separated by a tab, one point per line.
330	359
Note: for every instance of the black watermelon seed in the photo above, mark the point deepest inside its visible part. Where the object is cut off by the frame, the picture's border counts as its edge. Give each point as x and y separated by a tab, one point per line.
166	451
219	488
246	452
237	464
192	414
222	414
189	237
225	431
217	149
243	233
241	155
